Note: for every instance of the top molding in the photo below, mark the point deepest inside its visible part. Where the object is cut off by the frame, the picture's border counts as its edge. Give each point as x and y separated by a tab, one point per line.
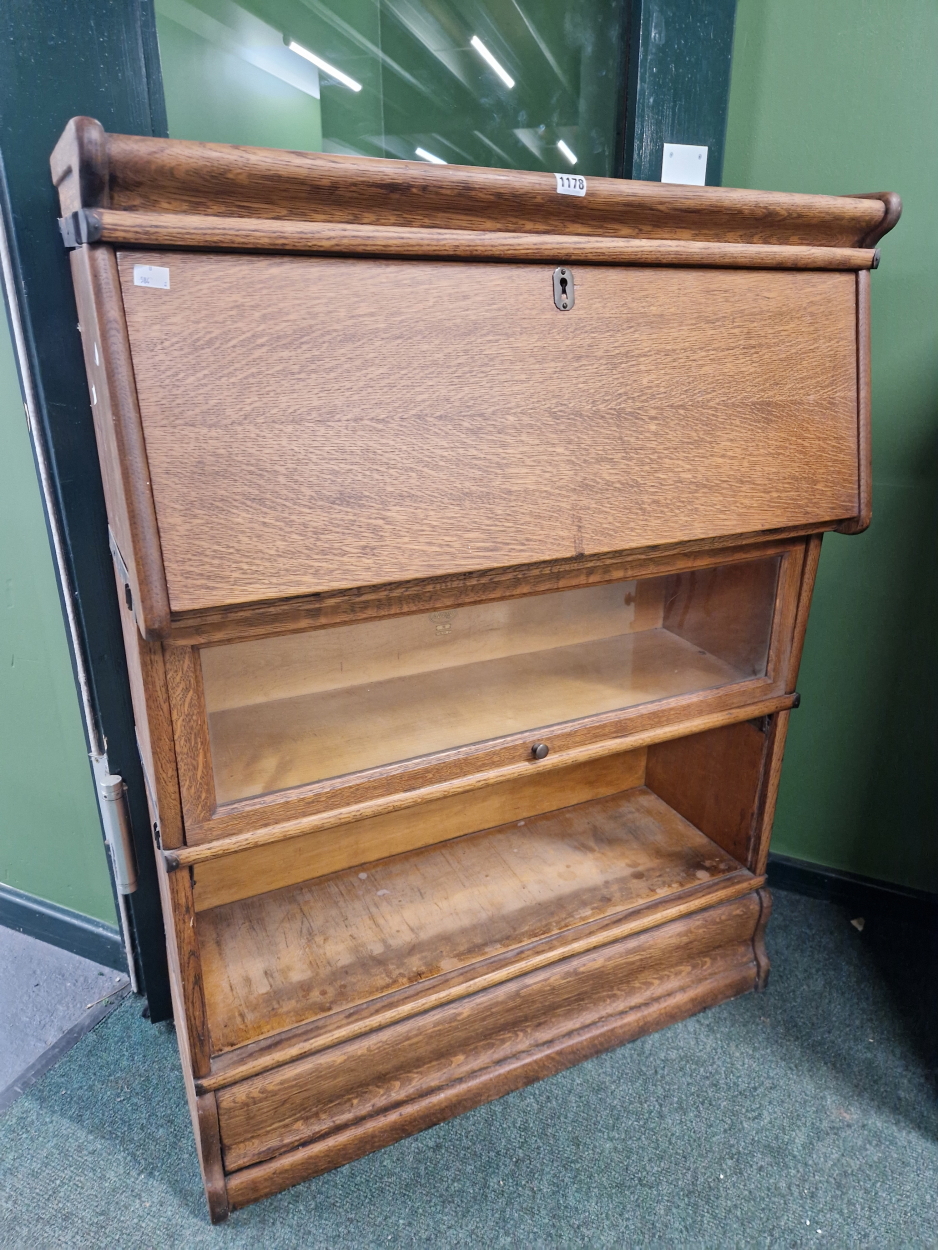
129	173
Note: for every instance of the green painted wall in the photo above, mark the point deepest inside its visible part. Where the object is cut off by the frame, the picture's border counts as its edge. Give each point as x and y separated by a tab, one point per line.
214	95
837	96
50	836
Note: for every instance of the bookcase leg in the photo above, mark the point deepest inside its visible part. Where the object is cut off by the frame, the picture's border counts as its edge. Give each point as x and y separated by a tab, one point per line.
213	1172
758	940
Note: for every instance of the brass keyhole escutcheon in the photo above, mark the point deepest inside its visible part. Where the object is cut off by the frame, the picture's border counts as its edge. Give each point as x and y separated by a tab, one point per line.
564	293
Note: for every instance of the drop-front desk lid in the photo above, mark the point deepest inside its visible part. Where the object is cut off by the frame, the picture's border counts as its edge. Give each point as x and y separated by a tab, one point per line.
315	372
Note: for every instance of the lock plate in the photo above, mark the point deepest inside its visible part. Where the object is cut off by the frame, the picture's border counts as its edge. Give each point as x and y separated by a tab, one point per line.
563	288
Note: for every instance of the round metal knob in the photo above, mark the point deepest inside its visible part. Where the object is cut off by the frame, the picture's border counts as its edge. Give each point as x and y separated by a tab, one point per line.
540	750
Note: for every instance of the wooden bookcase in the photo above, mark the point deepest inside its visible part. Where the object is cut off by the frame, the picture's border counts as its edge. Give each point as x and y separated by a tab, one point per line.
463	627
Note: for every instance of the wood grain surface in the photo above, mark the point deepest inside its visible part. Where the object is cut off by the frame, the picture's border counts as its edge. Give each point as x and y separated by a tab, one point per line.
190	731
121	449
864	516
893	205
210	1160
772	774
79	165
271	867
330	805
264	1055
778	723
758	940
706	984
127	172
204	233
356	1081
185	976
714	781
668	405
293	955
727	611
374	603
153	723
812	558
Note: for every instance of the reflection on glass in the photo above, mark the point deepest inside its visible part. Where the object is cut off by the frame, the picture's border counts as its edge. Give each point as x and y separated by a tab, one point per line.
299	708
519	84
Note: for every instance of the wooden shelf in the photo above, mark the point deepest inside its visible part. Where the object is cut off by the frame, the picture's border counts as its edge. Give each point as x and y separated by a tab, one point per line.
297	954
280	743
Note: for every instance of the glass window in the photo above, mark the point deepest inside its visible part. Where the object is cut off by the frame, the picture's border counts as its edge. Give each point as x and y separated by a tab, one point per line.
522	84
299	708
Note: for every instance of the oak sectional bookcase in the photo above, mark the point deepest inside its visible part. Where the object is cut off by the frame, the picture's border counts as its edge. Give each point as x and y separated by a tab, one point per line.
465	533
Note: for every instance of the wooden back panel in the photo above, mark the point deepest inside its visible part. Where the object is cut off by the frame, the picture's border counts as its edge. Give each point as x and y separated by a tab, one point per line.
316	423
723	609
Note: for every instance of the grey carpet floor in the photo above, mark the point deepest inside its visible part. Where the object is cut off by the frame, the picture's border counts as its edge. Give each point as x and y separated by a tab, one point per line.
805	1116
48	998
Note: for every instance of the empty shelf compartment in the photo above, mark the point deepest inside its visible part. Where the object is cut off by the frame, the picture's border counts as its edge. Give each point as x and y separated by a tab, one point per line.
297	954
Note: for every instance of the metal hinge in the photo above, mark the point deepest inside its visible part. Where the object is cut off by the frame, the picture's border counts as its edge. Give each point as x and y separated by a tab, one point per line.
116	820
80	227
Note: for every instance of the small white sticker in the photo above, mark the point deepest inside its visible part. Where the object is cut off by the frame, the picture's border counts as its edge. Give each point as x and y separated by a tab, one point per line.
683	162
570	184
151	275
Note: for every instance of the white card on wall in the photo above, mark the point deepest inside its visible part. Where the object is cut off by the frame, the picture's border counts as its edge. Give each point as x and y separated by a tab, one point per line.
682	162
152	275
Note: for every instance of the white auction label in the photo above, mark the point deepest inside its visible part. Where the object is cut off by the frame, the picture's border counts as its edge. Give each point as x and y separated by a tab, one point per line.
570	184
151	275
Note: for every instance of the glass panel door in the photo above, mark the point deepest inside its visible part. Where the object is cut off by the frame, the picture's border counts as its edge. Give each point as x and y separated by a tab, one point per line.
303	707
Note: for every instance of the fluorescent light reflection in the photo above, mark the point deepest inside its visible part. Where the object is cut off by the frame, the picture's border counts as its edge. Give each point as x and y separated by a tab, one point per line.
490	60
428	156
324	66
566	151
